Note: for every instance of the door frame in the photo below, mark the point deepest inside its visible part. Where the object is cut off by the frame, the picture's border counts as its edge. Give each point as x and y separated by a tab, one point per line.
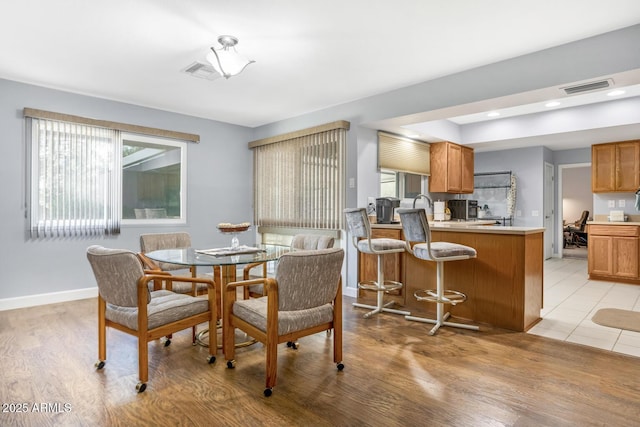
548	209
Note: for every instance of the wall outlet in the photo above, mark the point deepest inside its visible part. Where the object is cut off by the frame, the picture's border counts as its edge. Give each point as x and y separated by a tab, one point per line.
621	203
535	213
611	203
371	201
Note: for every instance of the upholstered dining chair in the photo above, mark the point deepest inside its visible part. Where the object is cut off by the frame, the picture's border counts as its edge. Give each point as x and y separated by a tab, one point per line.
298	242
416	229
304	298
174	240
360	230
125	303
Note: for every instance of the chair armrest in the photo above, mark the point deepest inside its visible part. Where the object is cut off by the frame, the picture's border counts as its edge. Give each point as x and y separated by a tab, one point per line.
247	268
162	276
148	263
245	283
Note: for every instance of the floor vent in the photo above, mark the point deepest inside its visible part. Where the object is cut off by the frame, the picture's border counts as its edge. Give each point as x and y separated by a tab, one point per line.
202	71
588	87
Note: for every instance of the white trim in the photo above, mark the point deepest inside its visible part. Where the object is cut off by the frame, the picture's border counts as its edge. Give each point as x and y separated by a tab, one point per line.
560	196
50	298
350	292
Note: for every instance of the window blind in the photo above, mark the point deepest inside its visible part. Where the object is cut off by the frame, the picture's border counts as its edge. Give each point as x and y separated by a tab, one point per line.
402	154
75	179
300	181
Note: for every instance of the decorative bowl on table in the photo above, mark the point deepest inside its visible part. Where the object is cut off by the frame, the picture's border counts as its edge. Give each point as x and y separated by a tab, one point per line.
226	227
233	229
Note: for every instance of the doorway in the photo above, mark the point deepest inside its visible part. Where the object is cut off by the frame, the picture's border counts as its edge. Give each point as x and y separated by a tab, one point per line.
574	197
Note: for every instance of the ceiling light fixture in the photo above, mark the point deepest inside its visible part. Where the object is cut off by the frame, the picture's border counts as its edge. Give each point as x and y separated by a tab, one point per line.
493	114
615	92
226	60
552	104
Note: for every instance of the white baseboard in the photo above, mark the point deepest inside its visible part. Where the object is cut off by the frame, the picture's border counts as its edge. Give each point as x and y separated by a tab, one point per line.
350	292
50	298
64	296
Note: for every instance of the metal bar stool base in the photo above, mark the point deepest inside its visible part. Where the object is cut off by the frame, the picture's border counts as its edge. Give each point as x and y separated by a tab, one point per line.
385	308
389	285
442	322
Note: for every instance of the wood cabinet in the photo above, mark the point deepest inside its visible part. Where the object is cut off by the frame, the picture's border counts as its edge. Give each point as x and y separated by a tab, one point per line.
452	167
615	167
368	267
613	252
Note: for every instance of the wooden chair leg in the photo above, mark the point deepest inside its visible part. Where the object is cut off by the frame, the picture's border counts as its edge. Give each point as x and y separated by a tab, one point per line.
143	359
102	330
272	362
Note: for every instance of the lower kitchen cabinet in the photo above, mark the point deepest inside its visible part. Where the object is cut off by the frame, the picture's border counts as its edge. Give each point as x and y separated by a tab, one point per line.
613	252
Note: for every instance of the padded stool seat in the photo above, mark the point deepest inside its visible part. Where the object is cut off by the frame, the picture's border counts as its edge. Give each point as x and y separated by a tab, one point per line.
416	229
360	229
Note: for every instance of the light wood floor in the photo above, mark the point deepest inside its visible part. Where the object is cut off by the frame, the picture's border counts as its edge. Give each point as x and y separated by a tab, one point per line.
395	375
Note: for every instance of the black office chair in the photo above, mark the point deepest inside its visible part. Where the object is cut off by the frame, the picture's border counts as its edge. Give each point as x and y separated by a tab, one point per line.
575	235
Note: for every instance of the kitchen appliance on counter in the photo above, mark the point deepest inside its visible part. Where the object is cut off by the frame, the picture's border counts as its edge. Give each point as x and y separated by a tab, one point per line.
463	209
438	211
386	210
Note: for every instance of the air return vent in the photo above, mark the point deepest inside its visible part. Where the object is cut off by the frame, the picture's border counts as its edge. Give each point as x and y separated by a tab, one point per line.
202	71
588	87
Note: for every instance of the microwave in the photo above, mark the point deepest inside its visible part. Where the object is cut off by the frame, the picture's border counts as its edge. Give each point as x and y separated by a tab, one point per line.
463	209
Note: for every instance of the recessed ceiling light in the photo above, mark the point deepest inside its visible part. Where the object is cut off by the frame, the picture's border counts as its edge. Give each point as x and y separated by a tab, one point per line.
552	104
493	114
615	92
412	135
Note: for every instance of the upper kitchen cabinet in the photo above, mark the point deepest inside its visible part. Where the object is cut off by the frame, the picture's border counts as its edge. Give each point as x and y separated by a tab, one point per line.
451	168
615	167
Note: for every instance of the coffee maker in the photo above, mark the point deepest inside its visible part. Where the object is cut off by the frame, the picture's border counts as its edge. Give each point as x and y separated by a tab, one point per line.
386	210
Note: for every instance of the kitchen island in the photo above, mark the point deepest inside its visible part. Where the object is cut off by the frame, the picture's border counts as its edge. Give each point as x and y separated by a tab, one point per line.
503	284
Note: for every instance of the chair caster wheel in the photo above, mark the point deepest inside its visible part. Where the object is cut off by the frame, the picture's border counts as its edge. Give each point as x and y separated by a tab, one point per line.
231	364
211	359
293	345
99	364
268	392
340	366
289	343
167	343
140	387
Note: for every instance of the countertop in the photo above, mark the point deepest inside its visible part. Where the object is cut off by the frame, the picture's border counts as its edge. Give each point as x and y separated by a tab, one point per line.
614	222
479	226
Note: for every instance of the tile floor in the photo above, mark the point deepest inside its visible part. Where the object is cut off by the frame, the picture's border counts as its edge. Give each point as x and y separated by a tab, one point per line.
570	299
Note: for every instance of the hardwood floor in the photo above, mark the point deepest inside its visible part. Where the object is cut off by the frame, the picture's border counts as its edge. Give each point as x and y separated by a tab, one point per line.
395	375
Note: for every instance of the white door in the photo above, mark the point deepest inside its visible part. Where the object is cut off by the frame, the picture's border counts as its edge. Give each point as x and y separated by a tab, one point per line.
549	208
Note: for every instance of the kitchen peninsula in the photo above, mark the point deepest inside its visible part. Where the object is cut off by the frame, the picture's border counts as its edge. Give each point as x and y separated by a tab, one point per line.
503	284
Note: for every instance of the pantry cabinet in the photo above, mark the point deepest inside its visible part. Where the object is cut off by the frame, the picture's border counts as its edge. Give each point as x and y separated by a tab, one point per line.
452	167
615	167
613	252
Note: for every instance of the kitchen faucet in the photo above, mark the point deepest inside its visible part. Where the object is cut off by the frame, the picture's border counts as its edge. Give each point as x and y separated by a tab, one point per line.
429	201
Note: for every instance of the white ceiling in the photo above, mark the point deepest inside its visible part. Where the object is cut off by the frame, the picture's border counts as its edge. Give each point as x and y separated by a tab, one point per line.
309	55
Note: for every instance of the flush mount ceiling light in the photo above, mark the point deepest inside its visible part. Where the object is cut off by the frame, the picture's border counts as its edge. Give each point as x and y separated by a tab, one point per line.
226	60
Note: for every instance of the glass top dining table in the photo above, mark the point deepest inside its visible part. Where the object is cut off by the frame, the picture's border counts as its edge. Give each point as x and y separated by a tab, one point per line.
196	257
227	264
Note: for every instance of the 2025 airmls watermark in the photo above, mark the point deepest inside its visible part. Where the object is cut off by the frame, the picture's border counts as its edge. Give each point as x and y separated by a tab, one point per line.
36	407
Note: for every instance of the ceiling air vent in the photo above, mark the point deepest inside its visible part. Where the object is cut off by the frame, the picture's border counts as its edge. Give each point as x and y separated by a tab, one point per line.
588	87
202	71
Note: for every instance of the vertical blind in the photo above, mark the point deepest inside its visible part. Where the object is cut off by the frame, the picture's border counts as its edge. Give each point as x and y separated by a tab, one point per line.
299	182
75	179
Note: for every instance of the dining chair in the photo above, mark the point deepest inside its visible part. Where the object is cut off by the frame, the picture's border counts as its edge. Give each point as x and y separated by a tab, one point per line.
298	242
155	241
416	229
304	298
126	304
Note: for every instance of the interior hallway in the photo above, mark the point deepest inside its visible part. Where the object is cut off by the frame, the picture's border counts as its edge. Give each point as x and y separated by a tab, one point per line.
571	299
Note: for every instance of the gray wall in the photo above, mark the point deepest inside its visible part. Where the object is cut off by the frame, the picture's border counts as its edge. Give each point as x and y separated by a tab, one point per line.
219	188
220	168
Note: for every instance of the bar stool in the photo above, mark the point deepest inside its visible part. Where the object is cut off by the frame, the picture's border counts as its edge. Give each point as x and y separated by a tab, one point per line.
416	229
360	229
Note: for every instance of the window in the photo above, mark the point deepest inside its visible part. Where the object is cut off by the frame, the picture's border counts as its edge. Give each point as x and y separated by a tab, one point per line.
153	179
299	178
400	184
87	180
